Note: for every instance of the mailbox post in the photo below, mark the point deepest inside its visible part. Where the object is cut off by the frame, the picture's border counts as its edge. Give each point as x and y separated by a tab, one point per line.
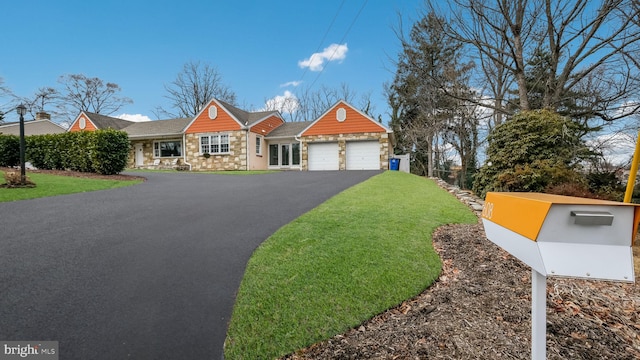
561	236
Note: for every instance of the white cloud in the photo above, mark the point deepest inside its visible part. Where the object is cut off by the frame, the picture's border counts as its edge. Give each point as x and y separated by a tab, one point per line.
134	117
291	83
334	52
626	108
616	147
286	103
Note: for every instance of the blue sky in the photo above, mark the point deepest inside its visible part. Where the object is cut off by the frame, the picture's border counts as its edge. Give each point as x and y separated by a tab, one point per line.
257	46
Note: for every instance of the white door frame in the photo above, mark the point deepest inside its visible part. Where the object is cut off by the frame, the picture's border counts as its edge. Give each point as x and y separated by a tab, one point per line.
139	154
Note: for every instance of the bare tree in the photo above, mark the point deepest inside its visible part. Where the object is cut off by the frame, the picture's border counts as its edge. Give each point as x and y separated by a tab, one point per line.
193	88
498	81
6	97
365	104
287	104
582	38
82	93
307	104
314	103
45	99
462	133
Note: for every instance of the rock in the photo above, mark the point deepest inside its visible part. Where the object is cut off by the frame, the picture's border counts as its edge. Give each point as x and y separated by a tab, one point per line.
465	196
476	206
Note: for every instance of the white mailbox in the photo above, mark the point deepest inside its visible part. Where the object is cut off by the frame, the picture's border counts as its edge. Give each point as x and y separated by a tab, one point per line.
561	236
564	236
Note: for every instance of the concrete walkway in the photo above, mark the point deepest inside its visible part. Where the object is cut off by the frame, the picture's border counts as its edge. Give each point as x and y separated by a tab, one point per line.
148	271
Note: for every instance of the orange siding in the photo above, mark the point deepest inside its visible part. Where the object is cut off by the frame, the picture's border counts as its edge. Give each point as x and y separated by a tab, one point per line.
354	123
76	125
223	122
268	125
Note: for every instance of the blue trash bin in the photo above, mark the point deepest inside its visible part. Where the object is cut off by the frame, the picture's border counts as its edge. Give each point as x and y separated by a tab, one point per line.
394	164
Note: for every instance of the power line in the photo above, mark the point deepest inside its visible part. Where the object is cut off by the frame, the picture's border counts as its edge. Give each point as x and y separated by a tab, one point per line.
324	36
341	41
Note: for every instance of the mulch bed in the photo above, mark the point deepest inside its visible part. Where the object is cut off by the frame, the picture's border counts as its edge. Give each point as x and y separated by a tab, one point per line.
480	308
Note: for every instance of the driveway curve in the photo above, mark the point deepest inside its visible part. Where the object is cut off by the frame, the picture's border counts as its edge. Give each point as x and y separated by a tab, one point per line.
148	271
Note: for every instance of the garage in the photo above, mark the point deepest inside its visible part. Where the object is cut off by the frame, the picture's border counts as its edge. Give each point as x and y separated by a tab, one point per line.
363	155
323	156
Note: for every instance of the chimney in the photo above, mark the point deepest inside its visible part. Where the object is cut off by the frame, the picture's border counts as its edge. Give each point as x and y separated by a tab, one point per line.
41	115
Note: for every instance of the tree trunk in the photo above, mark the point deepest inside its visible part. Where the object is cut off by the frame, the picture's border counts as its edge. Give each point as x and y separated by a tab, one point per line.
430	155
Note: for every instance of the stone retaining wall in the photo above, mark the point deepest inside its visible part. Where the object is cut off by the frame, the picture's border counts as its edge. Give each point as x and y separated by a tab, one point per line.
465	196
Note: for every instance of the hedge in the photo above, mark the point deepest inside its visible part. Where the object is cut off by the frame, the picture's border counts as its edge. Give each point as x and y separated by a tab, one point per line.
9	150
102	151
110	152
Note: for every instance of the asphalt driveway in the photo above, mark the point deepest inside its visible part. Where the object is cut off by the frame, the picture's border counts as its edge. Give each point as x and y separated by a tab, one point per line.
148	271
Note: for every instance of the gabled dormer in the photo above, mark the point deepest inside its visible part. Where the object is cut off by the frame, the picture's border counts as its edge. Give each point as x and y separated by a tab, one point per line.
215	117
342	118
88	121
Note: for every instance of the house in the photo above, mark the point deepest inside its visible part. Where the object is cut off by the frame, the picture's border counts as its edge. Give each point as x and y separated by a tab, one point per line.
224	137
41	125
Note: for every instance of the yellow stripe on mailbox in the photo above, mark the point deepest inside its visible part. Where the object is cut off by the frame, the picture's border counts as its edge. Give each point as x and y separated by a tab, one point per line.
521	214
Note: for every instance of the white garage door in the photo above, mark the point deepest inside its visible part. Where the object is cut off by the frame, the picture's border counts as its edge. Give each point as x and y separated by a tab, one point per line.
363	155
323	156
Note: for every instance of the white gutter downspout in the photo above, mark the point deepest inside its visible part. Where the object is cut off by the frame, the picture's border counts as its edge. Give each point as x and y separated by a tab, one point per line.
247	136
246	128
184	151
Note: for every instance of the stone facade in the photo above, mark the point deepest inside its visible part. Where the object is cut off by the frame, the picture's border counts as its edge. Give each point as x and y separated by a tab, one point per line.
148	158
147	150
236	159
342	139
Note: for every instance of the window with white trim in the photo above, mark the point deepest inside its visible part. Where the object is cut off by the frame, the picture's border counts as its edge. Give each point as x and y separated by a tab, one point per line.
167	148
214	144
258	145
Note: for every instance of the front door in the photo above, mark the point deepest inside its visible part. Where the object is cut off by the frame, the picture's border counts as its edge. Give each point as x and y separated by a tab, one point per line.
139	155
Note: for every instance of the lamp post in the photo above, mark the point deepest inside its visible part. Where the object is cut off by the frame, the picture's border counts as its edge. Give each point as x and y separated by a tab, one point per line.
21	111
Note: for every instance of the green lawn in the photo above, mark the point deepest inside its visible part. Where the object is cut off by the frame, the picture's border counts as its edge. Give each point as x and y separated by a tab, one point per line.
361	252
52	185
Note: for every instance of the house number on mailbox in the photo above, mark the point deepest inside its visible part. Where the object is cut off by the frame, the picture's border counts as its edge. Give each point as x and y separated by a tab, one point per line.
487	210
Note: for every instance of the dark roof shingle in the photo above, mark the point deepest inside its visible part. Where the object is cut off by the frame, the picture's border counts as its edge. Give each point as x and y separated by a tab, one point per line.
32	127
289	129
105	122
157	128
245	117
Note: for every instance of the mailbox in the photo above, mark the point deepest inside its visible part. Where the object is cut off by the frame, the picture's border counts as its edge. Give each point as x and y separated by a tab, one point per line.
564	236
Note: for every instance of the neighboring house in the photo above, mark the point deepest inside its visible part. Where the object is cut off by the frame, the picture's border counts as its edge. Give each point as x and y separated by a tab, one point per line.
223	137
41	125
